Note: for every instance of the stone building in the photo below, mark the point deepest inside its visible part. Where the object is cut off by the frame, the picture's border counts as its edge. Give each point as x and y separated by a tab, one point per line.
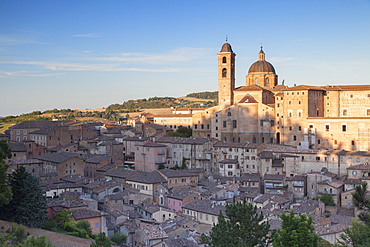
264	111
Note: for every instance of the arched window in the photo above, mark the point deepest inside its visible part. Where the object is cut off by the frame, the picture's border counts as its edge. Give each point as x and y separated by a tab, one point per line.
224	60
257	81
224	72
229	114
267	82
254	140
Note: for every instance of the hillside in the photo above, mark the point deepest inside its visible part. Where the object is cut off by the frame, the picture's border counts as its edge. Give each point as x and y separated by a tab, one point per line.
115	112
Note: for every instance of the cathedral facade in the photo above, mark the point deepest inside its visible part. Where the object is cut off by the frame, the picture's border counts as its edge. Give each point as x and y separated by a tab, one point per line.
304	116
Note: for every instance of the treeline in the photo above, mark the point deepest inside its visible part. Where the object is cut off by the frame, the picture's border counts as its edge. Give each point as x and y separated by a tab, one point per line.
33	116
113	112
64	114
204	95
154	102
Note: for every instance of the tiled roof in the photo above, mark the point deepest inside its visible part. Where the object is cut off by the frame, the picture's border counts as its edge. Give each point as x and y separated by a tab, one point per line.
23	162
135	138
346	87
57	157
121	172
330	229
106	168
296	178
363	167
352	181
230	144
169	173
250	88
303	87
250	177
150	144
73	178
96	159
262	198
266	155
17	146
44	131
57	148
147	177
205	206
180	242
178	115
154	232
279	177
66	204
182	140
38	124
307	206
86	213
181	193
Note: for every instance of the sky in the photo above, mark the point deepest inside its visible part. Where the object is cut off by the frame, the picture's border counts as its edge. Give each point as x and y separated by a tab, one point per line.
91	54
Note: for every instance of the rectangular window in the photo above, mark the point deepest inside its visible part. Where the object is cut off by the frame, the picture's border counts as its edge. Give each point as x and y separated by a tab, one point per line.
234	124
224	124
344	127
344	112
327	127
97	224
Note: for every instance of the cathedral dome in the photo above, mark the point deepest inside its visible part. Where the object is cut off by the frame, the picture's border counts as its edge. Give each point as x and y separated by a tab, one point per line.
261	65
226	48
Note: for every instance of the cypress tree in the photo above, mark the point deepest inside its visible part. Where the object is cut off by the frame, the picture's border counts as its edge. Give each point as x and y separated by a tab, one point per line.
244	227
28	206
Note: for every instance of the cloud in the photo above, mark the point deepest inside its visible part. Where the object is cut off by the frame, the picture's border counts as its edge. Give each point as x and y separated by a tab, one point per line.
183	54
12	41
5	74
164	63
55	66
88	35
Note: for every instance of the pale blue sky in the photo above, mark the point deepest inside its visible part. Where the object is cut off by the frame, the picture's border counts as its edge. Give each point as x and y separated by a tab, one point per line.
90	54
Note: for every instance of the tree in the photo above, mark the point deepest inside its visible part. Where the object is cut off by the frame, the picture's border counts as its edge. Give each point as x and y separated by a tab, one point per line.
28	206
244	227
296	231
118	238
41	241
101	240
327	200
182	132
5	191
358	235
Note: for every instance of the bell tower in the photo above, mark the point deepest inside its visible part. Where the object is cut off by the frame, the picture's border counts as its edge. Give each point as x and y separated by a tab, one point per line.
226	76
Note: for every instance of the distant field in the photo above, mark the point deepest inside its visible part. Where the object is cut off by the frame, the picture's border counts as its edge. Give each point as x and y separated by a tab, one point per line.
91	110
4	127
195	99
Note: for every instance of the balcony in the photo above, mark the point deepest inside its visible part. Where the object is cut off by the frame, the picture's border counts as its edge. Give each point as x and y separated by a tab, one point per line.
274	185
298	183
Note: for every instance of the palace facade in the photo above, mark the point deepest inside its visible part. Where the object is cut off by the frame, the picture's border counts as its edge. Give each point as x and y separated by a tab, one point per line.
262	111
